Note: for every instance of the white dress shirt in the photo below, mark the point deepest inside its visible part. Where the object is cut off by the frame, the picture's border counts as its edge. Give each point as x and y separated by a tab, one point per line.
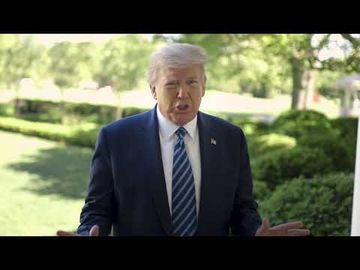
168	140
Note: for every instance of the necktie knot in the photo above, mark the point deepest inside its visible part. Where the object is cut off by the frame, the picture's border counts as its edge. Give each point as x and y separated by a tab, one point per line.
180	132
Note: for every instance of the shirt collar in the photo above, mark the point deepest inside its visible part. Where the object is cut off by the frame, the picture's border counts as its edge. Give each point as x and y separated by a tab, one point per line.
168	128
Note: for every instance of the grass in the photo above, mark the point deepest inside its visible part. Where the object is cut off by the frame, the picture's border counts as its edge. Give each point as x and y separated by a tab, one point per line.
42	185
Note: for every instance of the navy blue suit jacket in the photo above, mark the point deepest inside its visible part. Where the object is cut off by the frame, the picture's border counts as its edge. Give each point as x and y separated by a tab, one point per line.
127	185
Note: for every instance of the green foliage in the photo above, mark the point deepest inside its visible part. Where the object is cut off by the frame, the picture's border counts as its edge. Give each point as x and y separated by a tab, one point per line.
129	111
83	135
276	167
72	63
263	144
265	90
323	203
238	62
260	190
347	127
326	83
43	185
249	126
123	62
65	112
301	123
21	57
312	129
6	109
334	147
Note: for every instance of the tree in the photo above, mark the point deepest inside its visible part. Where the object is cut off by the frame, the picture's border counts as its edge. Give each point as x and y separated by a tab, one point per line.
21	57
303	55
270	60
238	63
123	62
72	62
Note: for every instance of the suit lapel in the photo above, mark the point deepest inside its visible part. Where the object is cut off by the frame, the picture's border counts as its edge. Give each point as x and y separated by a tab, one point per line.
209	162
154	170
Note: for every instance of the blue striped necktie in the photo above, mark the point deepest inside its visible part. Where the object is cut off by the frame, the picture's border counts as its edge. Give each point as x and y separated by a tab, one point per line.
184	217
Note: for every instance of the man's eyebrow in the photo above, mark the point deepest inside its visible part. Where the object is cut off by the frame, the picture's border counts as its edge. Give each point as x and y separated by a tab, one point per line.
171	82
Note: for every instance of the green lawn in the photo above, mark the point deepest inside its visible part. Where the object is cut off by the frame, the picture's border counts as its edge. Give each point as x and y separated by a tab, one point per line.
42	185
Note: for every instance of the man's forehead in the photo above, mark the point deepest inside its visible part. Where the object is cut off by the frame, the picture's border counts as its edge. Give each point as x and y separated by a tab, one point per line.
193	70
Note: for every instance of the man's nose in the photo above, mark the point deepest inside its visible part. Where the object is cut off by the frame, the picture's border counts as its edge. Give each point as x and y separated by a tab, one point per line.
183	92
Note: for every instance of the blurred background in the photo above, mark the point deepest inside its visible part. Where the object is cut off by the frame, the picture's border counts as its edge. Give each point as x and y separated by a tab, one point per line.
296	96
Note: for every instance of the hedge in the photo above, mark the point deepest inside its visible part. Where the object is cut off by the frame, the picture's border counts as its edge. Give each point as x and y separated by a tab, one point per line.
82	135
322	203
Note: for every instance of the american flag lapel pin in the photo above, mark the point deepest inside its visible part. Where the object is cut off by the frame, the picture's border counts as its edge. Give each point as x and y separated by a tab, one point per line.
213	141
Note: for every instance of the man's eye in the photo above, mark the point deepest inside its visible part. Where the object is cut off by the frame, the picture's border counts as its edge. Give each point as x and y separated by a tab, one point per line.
171	86
193	82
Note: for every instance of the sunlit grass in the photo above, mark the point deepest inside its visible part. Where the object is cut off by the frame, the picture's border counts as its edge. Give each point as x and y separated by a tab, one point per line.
42	185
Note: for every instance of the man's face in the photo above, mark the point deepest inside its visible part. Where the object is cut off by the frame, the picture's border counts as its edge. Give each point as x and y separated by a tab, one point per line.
179	92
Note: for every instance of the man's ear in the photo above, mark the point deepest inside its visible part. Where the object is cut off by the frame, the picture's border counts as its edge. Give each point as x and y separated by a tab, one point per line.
153	92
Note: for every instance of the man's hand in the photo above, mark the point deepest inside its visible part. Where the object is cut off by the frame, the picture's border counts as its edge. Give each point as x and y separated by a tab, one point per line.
286	229
94	231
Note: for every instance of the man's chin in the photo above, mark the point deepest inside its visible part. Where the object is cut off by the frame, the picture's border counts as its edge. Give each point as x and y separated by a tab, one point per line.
182	119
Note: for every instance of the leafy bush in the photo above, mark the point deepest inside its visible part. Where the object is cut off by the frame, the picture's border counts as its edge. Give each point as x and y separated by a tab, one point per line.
260	190
6	109
250	127
264	91
322	203
128	111
334	147
301	123
83	135
276	167
347	128
67	112
259	145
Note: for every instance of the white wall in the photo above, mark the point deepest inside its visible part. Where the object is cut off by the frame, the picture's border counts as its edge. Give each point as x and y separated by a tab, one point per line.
355	223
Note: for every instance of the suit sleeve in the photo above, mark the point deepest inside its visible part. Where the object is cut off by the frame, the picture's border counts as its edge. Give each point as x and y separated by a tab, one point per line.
99	206
245	219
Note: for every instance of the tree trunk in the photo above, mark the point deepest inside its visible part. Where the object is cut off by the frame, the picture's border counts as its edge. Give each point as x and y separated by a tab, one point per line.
18	102
296	91
310	77
303	86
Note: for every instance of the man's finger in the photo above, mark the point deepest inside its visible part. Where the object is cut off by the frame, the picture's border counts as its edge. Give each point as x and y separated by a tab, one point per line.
63	233
266	223
94	231
289	226
298	232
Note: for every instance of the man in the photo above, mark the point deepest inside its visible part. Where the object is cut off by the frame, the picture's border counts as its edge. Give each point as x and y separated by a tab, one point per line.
174	171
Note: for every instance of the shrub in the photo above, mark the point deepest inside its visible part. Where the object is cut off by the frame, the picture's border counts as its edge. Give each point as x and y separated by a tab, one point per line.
69	112
301	123
129	111
259	145
276	167
322	203
260	190
334	147
347	127
250	127
83	135
7	109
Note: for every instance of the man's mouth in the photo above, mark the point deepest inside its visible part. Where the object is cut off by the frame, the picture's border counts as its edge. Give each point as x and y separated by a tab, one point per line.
182	107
